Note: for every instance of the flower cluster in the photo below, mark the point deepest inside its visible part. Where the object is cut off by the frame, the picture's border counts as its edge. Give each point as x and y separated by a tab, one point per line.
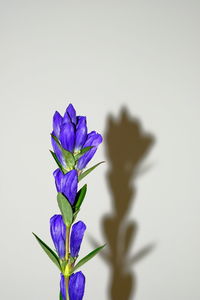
72	134
73	148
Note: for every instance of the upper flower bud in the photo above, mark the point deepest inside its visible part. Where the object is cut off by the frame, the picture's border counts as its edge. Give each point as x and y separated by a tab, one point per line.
71	131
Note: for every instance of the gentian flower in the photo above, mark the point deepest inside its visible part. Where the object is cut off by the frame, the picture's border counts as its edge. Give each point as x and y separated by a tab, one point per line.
71	131
76	286
67	184
76	238
62	286
58	234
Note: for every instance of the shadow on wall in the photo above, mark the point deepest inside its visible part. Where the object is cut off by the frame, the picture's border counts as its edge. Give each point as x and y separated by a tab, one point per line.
126	147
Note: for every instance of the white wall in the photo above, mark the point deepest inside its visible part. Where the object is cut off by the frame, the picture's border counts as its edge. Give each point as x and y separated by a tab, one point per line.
101	56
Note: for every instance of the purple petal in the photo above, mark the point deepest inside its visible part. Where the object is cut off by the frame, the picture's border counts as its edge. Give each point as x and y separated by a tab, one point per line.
70	114
81	132
76	286
67	136
76	238
63	286
58	152
67	184
93	139
58	234
57	122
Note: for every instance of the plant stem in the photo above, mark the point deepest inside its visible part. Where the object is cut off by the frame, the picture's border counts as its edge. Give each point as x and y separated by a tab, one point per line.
67	284
67	258
67	242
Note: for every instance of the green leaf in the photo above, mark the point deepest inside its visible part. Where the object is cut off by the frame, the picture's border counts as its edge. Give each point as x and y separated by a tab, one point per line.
87	257
61	298
83	151
56	160
80	197
65	208
51	254
68	156
69	159
82	175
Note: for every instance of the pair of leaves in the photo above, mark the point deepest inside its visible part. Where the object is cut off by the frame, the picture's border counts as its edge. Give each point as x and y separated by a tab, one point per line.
55	259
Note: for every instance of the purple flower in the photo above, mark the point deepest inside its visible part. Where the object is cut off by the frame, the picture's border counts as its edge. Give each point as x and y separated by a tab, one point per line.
58	234
67	184
63	286
93	139
71	131
76	286
76	238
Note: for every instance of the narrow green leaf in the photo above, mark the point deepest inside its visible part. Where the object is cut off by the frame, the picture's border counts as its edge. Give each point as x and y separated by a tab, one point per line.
56	139
83	151
82	175
51	254
68	156
65	208
87	257
56	160
80	197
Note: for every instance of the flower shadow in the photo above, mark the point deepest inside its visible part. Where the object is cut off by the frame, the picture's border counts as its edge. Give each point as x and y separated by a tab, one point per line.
126	147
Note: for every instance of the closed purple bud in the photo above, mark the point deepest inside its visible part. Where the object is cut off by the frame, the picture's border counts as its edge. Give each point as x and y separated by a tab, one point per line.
76	238
76	286
63	286
81	132
93	139
67	136
70	115
58	234
57	122
67	184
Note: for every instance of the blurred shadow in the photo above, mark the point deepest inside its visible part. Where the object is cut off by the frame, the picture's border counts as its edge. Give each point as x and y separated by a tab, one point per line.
126	147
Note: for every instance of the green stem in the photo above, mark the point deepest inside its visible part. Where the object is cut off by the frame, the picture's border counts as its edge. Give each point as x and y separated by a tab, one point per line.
67	285
67	258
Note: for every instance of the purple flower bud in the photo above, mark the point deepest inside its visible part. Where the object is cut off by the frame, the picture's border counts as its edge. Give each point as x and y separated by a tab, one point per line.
58	234
57	122
76	238
62	286
76	286
70	115
93	139
67	184
67	136
81	132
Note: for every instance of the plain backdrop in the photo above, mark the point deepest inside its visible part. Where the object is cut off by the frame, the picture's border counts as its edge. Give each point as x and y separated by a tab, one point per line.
101	56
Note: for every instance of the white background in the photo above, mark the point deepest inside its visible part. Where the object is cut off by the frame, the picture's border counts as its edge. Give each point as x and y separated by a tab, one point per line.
101	56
